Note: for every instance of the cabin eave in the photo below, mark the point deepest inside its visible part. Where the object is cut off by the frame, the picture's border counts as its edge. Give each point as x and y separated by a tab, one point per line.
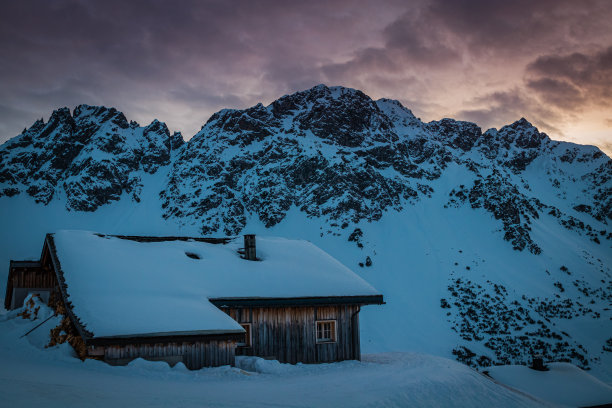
297	301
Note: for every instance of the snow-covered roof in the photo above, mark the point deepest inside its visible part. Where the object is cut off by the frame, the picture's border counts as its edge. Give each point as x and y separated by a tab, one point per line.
122	287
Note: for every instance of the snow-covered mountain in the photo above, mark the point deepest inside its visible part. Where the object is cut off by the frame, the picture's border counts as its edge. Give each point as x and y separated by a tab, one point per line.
487	245
90	156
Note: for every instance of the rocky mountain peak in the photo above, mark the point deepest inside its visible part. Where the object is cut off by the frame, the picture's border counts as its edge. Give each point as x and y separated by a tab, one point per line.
332	152
93	156
157	127
60	115
458	134
523	134
36	127
522	123
100	115
60	119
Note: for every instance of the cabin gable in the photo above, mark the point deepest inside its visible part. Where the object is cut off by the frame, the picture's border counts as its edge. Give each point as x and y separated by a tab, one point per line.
27	277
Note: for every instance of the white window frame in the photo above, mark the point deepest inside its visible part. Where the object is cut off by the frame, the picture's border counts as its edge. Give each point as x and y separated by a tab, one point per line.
250	332
334	336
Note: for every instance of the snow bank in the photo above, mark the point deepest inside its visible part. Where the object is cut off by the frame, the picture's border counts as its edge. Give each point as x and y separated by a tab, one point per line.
32	376
34	308
563	384
123	287
260	365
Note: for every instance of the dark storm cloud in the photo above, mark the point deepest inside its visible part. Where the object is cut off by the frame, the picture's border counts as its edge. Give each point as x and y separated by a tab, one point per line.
573	81
409	41
124	54
436	33
506	27
559	93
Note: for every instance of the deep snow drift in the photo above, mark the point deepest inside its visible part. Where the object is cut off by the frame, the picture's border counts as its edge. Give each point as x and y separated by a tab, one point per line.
563	384
32	376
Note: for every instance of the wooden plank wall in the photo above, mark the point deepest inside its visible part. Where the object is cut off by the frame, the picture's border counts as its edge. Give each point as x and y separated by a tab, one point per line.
194	355
28	277
33	278
288	334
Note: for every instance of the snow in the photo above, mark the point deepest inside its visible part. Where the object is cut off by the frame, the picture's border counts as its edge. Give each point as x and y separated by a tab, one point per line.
34	376
563	384
123	287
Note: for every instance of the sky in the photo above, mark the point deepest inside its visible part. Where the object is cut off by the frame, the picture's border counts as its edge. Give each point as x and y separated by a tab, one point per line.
487	61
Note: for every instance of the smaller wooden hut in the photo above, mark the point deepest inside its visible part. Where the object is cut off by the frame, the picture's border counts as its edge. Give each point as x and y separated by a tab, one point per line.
200	301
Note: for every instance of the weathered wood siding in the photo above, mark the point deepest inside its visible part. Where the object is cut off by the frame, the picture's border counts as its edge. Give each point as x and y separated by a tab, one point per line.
194	355
41	277
34	276
288	334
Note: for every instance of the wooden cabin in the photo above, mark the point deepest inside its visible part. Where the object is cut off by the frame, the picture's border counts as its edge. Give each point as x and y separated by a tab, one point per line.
200	301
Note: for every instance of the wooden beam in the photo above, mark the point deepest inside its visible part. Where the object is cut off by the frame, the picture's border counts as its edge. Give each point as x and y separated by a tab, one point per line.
298	301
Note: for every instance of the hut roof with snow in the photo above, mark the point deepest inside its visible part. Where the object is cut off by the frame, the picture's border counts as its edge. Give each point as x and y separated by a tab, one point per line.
127	286
127	289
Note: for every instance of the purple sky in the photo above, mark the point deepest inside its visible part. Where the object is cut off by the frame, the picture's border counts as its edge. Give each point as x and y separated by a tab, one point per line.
180	61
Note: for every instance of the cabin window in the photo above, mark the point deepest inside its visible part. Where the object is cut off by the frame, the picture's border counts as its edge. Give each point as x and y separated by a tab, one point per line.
326	331
247	335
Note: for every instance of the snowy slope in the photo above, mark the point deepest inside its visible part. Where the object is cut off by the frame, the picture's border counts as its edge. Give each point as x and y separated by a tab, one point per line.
486	245
563	384
32	376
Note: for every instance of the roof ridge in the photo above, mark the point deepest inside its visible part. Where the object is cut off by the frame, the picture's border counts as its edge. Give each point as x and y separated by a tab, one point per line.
152	238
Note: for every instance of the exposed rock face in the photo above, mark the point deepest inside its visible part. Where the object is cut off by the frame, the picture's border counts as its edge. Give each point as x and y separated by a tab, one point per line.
503	199
337	154
93	156
332	153
490	315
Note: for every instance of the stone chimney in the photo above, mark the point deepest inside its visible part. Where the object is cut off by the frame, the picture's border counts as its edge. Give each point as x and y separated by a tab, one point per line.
250	254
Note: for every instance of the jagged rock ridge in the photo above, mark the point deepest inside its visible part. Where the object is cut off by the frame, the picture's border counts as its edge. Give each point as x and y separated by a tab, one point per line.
92	156
330	152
